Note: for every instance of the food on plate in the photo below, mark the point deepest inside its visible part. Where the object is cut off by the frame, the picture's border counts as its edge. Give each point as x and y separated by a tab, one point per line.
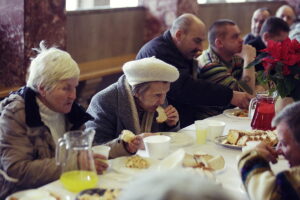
241	113
240	138
137	162
204	161
162	116
216	162
36	195
233	136
127	136
109	194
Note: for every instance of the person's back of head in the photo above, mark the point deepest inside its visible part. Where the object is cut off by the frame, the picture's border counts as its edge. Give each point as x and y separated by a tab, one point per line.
286	13
273	26
275	29
50	66
173	185
218	30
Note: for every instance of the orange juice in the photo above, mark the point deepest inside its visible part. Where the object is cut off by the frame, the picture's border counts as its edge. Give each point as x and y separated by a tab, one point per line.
77	180
201	136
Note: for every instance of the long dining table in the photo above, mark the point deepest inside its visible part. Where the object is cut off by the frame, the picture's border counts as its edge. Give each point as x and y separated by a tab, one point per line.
229	177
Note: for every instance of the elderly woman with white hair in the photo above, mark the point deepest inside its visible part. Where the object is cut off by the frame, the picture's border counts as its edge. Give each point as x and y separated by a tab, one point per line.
33	118
130	104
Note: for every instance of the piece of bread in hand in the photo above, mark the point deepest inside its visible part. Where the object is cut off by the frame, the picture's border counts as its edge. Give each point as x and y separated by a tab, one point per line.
162	116
127	136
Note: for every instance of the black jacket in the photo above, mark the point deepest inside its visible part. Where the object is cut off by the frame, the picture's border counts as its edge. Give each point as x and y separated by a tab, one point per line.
259	45
187	94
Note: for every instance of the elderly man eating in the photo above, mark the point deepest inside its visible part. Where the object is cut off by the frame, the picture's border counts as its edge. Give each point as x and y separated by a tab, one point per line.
130	104
257	176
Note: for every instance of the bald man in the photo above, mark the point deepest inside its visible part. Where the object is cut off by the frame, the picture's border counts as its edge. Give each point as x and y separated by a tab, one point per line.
286	13
179	47
257	20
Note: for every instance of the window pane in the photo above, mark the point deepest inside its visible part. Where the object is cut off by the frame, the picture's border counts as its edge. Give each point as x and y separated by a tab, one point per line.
92	4
123	3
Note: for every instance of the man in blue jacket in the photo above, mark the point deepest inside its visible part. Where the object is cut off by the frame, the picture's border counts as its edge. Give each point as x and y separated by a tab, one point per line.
179	47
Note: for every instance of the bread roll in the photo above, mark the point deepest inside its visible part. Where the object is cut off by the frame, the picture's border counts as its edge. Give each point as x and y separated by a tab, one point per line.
127	136
162	117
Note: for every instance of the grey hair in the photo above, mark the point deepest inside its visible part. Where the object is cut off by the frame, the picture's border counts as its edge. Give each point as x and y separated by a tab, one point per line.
173	185
291	116
262	10
142	87
183	22
217	30
50	66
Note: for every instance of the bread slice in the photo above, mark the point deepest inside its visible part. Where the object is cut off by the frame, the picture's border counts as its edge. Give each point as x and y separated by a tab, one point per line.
216	163
127	136
205	157
272	137
233	136
189	161
242	141
162	116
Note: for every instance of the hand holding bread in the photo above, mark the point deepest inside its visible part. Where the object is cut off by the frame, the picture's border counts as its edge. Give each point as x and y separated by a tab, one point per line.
267	152
162	116
127	136
169	115
131	141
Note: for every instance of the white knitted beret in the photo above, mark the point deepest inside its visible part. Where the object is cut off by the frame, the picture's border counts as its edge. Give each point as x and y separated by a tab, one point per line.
149	69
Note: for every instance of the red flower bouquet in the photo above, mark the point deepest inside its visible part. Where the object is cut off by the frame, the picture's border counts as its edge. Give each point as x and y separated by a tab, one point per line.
281	61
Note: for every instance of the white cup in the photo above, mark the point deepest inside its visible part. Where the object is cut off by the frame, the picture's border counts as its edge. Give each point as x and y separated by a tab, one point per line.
157	146
101	149
215	128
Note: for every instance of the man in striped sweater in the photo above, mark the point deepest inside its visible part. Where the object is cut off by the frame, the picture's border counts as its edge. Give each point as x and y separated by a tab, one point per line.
257	176
225	60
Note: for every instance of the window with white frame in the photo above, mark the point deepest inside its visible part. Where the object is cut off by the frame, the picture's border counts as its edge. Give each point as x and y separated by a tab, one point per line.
92	4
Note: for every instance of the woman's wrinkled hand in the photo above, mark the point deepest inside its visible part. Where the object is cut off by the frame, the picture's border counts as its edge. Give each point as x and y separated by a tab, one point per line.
100	163
134	145
172	114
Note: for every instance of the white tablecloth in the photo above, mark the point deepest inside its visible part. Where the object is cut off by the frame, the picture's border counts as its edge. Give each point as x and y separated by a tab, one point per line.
228	177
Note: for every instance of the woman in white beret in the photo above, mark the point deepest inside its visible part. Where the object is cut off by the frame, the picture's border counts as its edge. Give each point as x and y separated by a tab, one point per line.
33	118
130	104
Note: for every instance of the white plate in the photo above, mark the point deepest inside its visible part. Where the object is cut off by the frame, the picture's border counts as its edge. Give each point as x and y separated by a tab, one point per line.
179	139
22	193
174	160
118	164
220	139
230	113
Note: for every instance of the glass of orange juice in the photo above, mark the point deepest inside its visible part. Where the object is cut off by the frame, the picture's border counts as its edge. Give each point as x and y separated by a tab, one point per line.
201	131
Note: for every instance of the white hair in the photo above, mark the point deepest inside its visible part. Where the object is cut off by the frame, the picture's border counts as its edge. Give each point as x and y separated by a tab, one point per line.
173	185
50	66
